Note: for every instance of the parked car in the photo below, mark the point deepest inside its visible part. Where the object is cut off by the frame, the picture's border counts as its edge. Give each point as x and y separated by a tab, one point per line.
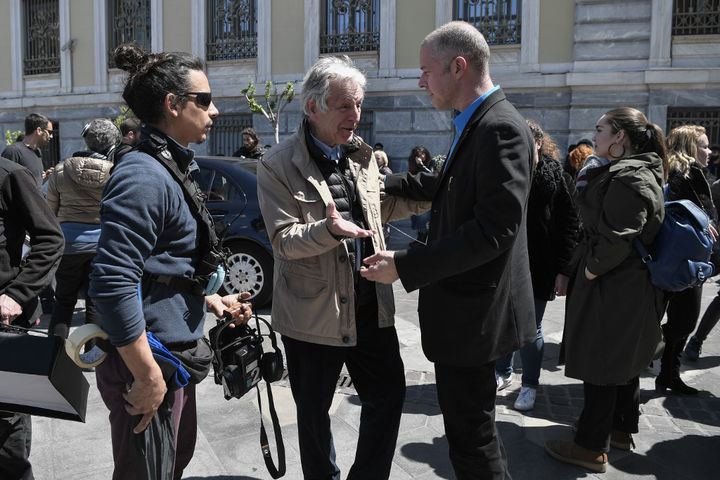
230	185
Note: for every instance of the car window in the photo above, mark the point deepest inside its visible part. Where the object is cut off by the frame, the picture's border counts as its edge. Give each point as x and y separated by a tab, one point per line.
204	178
222	189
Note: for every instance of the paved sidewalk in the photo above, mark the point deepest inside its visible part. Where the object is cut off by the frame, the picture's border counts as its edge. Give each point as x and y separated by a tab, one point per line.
679	437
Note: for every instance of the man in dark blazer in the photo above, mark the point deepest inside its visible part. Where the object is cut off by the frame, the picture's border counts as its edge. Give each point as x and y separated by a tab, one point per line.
476	301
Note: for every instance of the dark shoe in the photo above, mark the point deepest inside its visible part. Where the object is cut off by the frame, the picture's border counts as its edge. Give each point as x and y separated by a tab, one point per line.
693	349
676	385
570	452
621	440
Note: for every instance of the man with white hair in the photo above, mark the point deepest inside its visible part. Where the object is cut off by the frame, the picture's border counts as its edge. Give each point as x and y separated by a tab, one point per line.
319	192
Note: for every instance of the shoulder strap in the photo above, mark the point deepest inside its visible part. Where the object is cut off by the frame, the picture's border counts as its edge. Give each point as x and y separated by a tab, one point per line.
279	471
157	148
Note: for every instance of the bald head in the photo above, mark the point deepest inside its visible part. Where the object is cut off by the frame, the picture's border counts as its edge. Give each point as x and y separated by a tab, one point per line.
459	39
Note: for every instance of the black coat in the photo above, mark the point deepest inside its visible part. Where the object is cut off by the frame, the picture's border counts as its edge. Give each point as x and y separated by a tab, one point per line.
553	227
694	187
476	300
24	210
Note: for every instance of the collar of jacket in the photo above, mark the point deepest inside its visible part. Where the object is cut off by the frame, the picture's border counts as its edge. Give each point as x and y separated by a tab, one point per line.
485	106
357	152
182	156
648	160
316	153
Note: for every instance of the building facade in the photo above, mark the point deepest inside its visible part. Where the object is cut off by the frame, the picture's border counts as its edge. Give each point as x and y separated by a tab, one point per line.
561	62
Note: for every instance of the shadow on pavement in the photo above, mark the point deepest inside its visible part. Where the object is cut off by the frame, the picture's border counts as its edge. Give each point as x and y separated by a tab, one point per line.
703	363
223	477
419	400
434	454
687	457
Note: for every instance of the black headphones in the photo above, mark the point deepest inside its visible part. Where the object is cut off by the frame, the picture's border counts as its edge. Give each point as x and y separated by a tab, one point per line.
271	364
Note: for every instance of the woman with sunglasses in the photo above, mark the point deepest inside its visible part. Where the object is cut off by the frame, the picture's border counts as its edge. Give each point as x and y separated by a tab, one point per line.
613	311
144	276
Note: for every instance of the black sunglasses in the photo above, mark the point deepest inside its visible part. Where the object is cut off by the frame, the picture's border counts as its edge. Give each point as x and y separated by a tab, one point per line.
204	99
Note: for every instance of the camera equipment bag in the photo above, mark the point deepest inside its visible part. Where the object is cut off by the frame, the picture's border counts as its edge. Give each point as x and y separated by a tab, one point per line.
679	256
239	364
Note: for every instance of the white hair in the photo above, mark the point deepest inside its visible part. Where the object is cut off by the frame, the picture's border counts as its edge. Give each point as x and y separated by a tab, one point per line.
316	84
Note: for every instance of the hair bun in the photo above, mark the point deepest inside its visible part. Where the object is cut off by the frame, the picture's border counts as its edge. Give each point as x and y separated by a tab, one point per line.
130	57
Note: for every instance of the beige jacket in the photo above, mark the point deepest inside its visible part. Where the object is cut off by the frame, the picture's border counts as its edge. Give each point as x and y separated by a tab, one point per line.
75	189
313	296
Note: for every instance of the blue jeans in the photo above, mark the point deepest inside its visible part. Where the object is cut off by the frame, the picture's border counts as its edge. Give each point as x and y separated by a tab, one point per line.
531	354
419	223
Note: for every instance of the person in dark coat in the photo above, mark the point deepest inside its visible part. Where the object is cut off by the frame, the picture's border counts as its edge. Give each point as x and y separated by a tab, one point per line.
23	211
688	155
250	145
475	301
420	160
552	224
613	312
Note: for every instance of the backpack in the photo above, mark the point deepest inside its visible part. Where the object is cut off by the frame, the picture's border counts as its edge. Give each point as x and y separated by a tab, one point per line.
679	256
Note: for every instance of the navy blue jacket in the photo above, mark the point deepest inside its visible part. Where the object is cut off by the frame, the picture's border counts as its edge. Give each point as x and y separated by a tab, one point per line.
146	226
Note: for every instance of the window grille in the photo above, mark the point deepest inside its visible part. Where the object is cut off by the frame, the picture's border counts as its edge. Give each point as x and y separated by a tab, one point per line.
42	37
51	151
225	137
708	117
696	17
231	29
497	20
350	26
128	22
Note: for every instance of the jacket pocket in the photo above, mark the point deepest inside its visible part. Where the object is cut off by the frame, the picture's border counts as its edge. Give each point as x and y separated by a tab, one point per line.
302	284
311	208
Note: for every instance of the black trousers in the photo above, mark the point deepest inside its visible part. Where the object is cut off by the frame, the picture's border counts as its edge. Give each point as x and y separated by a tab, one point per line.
683	310
72	277
608	408
467	400
15	438
378	374
112	377
709	319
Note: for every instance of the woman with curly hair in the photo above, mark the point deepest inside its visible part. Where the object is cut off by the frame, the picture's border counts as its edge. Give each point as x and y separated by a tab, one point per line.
552	230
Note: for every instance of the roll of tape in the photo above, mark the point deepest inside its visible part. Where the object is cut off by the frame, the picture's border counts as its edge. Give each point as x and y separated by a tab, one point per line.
77	340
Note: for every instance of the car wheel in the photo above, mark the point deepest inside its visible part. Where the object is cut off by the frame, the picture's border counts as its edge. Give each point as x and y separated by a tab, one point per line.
249	269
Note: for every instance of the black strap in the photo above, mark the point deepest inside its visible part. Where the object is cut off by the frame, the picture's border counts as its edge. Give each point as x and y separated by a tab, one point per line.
279	471
191	190
642	250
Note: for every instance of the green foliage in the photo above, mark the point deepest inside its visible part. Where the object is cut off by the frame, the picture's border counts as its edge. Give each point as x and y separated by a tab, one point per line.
125	112
11	136
274	102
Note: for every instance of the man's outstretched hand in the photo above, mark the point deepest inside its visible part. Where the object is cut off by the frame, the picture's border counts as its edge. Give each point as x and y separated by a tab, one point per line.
340	227
380	267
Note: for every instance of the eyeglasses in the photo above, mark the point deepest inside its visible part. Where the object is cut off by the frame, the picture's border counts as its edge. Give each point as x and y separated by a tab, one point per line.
49	132
203	99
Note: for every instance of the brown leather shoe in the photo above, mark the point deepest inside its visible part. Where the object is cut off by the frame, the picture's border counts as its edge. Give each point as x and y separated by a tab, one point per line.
621	440
570	452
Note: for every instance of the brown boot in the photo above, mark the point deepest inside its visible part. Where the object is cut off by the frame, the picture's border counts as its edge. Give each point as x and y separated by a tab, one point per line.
570	452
